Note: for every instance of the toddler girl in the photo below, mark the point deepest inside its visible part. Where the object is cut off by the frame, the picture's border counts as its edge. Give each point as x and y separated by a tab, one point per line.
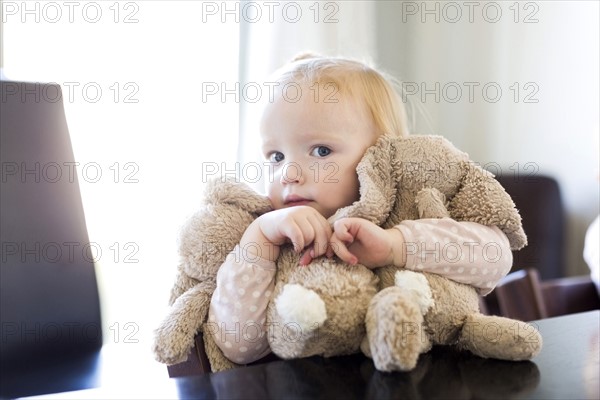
314	137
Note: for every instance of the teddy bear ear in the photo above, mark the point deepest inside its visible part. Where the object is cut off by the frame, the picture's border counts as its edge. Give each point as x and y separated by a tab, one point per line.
228	190
482	199
377	185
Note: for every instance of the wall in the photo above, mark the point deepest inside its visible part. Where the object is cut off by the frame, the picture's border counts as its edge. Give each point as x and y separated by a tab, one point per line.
545	124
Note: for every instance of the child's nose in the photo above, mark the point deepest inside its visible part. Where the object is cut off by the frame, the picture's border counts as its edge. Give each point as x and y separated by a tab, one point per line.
292	173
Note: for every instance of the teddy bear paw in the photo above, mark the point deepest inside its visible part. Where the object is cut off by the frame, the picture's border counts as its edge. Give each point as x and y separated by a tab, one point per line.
170	347
301	306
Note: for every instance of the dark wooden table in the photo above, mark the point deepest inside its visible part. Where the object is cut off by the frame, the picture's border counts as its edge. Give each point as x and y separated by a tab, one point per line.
567	368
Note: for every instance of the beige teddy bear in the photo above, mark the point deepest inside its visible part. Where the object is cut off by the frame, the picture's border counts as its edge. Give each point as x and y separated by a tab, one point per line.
206	239
330	308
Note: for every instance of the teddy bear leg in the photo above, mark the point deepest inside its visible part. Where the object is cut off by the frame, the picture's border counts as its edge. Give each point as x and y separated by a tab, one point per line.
174	338
319	309
395	330
499	337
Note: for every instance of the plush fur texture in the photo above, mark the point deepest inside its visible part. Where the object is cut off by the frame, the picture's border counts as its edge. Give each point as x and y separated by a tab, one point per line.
206	239
390	315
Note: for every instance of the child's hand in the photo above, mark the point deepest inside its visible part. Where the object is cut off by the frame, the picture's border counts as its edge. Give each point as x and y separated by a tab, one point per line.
302	226
356	240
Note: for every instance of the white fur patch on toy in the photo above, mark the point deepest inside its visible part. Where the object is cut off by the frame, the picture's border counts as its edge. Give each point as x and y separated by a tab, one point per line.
302	306
418	285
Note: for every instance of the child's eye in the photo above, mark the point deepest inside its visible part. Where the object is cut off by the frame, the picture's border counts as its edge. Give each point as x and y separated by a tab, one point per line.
321	151
276	157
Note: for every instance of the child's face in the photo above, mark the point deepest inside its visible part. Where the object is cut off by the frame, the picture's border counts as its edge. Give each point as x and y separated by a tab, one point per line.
314	147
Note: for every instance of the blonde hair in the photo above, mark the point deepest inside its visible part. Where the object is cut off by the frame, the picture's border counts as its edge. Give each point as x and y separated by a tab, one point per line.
356	80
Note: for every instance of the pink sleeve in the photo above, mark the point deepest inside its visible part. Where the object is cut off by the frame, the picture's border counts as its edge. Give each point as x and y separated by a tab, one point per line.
238	308
465	252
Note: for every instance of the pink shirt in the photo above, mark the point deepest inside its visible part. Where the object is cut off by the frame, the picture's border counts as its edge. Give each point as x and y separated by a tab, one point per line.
465	252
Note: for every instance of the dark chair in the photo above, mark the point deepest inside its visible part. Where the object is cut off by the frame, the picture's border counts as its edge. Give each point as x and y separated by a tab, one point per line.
49	303
522	295
196	364
537	288
570	295
539	202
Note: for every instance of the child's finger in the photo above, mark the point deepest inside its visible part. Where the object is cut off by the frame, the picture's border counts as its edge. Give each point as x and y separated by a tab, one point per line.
329	253
296	236
342	251
342	230
322	233
305	258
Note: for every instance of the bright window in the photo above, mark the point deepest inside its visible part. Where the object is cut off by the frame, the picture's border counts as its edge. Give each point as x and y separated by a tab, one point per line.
132	75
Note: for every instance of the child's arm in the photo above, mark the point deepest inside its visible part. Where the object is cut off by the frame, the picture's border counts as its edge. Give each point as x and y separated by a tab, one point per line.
465	252
245	281
238	306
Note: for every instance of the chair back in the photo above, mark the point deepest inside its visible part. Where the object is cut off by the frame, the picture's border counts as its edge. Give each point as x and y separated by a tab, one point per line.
539	202
520	296
49	303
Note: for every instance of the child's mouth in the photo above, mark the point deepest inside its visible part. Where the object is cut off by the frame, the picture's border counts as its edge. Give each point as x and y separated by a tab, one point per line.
294	200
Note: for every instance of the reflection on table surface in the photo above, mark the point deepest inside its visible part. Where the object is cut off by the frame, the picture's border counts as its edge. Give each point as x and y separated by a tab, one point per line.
443	372
566	368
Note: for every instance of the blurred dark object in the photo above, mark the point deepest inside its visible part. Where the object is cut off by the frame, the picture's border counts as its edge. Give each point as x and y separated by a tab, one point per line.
539	202
522	295
49	303
537	287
